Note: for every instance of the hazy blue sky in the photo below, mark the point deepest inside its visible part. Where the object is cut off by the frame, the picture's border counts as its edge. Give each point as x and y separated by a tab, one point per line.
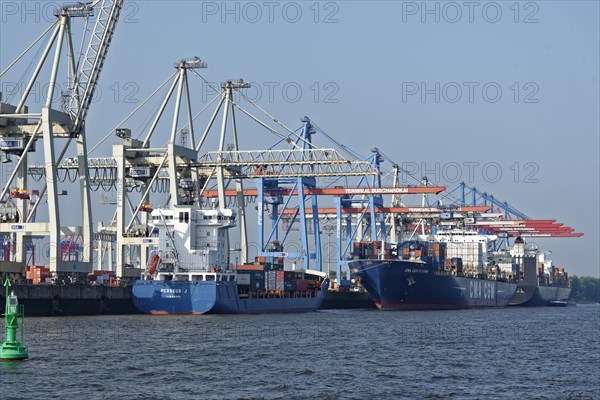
516	84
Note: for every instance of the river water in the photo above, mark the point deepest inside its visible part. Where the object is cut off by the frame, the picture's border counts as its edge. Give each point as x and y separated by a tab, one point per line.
510	353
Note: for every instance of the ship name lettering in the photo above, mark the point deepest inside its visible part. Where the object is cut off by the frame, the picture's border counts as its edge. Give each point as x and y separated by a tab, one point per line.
482	290
170	290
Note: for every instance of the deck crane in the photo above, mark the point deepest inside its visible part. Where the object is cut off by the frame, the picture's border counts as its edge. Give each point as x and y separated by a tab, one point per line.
20	128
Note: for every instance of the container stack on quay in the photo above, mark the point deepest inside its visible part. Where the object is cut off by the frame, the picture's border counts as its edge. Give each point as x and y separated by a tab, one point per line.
36	275
99	277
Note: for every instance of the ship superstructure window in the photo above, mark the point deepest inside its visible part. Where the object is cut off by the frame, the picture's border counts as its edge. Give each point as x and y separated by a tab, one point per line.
210	277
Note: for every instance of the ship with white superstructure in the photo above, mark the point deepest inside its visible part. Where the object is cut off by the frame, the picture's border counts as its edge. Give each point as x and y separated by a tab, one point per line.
189	272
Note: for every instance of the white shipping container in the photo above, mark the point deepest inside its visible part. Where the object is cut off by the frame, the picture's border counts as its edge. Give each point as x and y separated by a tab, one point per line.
470	253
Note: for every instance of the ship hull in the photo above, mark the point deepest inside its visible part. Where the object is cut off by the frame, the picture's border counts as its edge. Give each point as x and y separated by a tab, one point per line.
216	297
407	285
539	296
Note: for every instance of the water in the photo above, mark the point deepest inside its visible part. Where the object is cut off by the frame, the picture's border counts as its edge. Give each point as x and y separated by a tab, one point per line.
542	353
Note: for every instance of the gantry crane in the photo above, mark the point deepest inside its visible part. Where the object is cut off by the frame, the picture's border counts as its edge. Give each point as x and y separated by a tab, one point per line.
20	128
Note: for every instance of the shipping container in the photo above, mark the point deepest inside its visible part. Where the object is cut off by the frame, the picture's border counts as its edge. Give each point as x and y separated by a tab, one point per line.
289	285
343	283
301	285
271	280
357	249
257	280
243	279
273	267
100	272
289	275
247	267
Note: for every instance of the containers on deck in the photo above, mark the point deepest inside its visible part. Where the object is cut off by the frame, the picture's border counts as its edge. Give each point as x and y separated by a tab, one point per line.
256	279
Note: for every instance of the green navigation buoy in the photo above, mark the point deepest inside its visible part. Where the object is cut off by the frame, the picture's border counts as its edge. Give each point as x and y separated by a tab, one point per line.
11	349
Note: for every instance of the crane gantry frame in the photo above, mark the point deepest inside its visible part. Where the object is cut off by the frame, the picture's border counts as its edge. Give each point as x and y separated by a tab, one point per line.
21	129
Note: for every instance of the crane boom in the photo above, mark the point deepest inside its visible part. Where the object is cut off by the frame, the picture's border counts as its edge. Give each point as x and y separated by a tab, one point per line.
332	191
93	61
392	210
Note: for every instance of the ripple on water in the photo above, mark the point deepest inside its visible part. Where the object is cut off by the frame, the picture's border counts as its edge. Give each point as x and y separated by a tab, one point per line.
507	353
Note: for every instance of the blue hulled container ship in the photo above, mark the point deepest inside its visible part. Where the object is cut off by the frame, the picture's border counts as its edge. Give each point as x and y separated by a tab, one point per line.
189	273
416	275
219	296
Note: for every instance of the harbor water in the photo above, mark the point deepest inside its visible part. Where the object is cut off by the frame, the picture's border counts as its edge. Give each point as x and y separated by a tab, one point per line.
533	353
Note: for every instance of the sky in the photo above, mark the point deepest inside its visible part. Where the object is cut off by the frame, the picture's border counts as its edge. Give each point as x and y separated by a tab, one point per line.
509	88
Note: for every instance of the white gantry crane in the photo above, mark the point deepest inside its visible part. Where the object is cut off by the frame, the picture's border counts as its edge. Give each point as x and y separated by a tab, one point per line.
20	129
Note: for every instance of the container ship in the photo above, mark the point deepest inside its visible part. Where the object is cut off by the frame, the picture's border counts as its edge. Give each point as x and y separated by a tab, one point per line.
540	283
417	275
189	273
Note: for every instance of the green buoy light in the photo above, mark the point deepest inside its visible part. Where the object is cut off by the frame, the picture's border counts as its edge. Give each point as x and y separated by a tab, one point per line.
11	349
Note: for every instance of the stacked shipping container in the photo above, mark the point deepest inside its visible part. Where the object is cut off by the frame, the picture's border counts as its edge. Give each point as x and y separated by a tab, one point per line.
36	275
258	278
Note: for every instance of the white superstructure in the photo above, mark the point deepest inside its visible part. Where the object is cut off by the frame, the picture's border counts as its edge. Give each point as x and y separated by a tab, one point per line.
193	239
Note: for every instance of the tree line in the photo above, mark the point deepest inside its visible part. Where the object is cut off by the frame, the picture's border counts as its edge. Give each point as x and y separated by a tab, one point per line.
585	289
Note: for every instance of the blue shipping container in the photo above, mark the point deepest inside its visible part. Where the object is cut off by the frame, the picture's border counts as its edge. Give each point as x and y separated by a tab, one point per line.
257	280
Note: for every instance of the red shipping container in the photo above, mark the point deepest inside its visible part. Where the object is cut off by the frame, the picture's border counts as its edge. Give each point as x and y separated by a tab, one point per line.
247	267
